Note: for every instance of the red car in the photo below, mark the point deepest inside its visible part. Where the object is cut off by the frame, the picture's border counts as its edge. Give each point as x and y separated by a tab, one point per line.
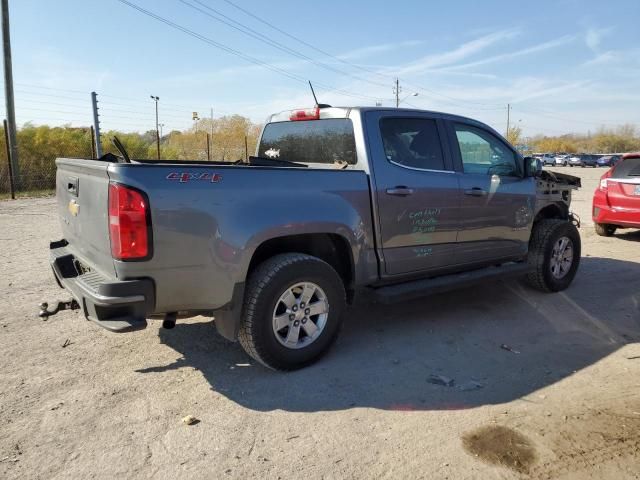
616	201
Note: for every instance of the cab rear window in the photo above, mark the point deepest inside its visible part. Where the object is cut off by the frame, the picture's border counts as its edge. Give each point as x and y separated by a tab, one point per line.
310	141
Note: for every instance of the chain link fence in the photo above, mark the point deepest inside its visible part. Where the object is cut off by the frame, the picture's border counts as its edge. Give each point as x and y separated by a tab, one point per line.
39	146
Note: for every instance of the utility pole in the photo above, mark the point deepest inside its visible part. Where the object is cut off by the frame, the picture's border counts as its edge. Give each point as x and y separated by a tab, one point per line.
508	115
6	144
397	91
8	92
96	123
156	99
211	129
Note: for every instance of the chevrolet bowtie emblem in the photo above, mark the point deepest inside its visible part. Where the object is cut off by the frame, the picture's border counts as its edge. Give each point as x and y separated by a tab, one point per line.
74	208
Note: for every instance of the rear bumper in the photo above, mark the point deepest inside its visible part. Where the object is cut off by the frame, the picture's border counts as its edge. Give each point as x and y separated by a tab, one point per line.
117	305
616	216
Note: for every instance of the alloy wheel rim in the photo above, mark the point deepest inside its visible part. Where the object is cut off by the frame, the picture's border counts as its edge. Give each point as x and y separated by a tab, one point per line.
561	257
300	315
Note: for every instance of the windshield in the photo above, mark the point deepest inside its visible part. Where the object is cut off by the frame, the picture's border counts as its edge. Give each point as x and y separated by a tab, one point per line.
310	141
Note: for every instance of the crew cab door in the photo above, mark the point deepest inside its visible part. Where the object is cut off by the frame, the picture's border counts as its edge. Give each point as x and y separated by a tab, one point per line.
497	201
416	191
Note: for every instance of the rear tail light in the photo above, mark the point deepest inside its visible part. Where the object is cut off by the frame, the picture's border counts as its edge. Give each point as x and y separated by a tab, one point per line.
308	114
603	184
604	181
129	224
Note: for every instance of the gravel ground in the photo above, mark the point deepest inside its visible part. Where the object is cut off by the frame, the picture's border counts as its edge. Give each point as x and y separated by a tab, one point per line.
563	403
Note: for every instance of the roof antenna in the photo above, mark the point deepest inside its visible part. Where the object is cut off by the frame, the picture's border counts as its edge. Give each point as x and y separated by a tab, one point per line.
319	105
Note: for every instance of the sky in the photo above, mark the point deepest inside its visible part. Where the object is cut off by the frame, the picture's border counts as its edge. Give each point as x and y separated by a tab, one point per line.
564	66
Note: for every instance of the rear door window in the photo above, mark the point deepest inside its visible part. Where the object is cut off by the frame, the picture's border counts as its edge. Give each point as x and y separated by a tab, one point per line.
310	141
412	142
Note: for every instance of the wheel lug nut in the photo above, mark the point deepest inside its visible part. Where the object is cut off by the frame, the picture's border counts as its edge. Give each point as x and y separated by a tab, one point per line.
294	308
302	305
296	323
307	311
292	317
304	320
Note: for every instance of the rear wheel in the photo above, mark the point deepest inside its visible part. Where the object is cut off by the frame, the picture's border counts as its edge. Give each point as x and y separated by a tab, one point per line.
554	254
605	229
292	311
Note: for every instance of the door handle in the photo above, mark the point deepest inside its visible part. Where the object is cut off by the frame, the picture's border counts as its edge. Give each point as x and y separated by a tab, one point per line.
400	191
476	192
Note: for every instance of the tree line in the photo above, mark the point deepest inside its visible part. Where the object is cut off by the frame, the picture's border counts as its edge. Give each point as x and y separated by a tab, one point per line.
39	146
625	138
230	138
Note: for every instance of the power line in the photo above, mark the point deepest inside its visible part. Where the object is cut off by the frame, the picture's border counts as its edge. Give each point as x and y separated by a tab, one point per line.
51	88
234	52
303	42
265	39
346	62
543	113
46	95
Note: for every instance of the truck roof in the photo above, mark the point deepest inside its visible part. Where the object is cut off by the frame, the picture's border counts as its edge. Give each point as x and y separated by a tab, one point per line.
343	112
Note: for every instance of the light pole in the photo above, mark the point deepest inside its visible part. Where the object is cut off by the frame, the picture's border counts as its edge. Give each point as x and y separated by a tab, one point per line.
414	94
195	119
161	125
156	99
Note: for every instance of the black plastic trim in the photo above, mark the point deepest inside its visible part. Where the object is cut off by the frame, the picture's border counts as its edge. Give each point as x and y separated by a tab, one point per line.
117	305
228	317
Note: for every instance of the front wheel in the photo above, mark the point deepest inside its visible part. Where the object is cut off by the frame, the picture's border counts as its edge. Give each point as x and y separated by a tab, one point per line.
292	311
554	254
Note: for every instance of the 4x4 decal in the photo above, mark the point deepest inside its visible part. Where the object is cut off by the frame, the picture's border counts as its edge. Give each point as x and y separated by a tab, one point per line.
184	177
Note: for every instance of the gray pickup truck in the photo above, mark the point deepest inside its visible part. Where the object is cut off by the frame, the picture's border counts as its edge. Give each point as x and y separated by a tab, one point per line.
338	203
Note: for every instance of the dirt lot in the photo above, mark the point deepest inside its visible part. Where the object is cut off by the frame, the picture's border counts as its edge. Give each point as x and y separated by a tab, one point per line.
564	403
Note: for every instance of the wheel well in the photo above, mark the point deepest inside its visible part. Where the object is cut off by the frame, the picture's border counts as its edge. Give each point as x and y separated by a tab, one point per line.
554	210
332	248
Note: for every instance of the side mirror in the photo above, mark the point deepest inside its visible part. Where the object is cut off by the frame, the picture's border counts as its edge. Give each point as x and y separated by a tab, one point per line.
532	166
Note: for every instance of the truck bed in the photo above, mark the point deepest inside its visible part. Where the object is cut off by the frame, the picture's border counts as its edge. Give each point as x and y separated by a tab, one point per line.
206	220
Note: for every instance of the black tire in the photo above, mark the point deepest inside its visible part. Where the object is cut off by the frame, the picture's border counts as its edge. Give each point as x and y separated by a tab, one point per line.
605	229
265	286
543	238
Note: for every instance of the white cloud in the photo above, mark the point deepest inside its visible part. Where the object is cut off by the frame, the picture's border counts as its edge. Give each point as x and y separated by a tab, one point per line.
594	37
525	51
375	49
609	56
465	50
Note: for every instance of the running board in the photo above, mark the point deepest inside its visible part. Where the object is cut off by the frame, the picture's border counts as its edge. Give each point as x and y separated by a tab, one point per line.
429	286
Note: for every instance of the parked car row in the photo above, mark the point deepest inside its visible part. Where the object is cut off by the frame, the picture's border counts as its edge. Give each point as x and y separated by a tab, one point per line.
578	160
